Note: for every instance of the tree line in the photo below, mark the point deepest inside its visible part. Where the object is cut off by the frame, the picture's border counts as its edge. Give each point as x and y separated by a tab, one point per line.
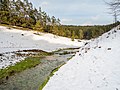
21	13
85	32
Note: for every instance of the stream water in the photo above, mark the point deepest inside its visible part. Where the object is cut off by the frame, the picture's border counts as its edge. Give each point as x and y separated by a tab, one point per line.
31	79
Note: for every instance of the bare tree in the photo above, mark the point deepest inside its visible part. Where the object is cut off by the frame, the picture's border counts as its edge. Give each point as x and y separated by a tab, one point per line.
114	6
114	13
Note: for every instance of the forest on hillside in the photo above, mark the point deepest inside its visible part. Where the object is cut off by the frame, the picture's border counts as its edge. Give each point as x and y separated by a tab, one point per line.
22	14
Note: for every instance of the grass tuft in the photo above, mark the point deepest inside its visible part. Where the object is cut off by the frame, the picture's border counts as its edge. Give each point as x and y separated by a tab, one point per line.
20	66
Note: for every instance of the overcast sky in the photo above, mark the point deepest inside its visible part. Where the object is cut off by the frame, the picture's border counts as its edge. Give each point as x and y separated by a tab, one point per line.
76	12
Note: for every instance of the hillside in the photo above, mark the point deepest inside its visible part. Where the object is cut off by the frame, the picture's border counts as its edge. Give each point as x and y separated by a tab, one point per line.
23	13
12	40
95	67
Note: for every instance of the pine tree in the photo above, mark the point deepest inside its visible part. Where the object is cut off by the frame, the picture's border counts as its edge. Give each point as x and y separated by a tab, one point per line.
81	34
4	5
73	36
38	26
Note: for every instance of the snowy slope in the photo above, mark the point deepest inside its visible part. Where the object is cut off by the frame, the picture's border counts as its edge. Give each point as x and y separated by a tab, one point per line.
95	67
13	40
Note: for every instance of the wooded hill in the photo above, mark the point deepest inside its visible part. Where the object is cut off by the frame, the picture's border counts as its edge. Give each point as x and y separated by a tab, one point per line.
21	13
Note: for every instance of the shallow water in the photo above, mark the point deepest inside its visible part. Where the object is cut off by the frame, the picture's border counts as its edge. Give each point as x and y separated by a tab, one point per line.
31	79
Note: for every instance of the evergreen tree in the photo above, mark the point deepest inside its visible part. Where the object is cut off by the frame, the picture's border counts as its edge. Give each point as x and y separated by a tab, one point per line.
4	5
81	34
38	26
73	36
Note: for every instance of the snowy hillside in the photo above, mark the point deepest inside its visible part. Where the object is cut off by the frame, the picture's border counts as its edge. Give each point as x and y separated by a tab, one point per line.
95	67
13	40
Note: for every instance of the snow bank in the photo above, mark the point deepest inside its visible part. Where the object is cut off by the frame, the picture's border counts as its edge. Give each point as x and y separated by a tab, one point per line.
95	67
14	40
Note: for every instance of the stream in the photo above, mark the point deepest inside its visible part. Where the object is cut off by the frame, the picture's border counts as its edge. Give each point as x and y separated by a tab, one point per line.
32	79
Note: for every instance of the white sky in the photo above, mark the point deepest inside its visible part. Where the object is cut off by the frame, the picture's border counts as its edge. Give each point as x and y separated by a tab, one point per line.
76	12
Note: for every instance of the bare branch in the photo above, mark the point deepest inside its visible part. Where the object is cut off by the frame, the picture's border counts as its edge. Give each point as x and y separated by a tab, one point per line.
114	6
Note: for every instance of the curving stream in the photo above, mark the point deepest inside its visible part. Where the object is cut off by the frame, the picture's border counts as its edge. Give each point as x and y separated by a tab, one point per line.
31	79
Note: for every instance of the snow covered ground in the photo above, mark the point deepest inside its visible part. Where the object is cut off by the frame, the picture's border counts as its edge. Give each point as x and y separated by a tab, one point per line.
9	58
95	67
15	40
